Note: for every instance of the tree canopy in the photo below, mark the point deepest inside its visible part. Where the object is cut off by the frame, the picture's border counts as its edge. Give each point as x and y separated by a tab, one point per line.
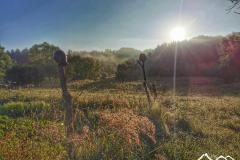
5	62
82	67
235	6
230	57
199	56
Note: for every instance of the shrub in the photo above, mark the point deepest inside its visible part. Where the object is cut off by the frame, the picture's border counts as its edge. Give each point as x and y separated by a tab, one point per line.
24	74
128	71
82	68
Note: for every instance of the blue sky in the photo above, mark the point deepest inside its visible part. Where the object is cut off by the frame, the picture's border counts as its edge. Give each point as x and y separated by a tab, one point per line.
100	24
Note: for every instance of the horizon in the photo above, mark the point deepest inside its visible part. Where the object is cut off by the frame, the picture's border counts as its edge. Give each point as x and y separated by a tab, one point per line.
114	49
95	25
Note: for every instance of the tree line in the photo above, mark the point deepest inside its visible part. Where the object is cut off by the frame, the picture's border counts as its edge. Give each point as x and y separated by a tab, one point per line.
35	65
200	56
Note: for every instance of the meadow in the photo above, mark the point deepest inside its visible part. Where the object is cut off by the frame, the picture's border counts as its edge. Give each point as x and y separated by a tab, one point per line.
113	121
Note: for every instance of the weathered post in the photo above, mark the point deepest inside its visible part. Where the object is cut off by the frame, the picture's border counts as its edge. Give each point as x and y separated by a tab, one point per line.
141	62
61	59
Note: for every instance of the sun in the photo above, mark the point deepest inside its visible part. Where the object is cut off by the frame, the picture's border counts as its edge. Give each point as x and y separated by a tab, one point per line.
178	34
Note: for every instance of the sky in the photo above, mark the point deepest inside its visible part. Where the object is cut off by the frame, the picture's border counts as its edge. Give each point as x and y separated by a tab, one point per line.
110	24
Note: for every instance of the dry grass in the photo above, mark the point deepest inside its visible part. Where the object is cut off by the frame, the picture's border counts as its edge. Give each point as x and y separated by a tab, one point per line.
119	124
130	125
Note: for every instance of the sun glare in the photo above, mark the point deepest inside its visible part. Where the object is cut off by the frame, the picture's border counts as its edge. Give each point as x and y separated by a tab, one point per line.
178	34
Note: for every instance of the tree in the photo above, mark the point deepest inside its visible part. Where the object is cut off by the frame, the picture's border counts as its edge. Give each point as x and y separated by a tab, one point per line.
128	71
229	57
39	53
24	74
196	57
235	5
82	67
5	62
20	57
40	56
127	53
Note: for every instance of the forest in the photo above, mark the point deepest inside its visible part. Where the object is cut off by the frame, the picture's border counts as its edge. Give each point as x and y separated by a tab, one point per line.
200	56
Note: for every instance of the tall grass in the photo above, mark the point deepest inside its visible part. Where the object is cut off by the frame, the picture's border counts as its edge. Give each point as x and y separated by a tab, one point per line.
203	124
18	109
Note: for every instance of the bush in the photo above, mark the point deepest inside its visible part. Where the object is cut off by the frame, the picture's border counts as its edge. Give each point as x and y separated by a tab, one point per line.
17	109
82	68
24	74
128	71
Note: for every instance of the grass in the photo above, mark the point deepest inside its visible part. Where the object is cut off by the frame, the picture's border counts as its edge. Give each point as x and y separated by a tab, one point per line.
18	109
31	122
24	138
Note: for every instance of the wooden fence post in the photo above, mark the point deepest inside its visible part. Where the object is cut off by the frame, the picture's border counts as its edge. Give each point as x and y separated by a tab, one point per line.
61	59
141	62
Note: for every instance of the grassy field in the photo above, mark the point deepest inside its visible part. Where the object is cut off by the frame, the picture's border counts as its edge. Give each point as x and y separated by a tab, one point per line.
204	117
